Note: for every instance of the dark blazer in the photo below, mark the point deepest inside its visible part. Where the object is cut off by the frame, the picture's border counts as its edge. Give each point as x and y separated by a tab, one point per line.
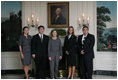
88	45
39	48
60	19
70	44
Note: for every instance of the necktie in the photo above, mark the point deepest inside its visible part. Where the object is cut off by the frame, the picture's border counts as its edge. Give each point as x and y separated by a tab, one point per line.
84	37
41	38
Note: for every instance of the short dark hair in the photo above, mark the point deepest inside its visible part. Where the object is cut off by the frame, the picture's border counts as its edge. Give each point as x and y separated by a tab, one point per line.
41	26
84	26
53	31
25	28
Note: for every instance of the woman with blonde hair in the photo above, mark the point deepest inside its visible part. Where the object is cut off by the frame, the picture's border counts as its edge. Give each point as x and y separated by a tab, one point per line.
70	50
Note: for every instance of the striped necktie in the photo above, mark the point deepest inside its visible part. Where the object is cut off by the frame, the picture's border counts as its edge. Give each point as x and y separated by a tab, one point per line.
41	38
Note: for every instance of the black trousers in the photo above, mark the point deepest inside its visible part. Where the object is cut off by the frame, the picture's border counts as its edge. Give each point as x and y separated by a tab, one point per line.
86	67
40	63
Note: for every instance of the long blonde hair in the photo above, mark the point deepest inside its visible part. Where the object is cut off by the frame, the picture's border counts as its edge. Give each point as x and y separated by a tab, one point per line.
69	29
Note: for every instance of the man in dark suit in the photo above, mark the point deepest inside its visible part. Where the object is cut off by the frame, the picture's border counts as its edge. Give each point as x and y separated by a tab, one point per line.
58	18
85	46
39	47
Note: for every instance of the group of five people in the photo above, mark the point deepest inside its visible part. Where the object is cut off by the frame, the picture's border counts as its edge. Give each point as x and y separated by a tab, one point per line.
42	48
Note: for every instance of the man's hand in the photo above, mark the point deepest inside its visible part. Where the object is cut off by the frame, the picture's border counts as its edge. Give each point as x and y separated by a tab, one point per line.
82	51
33	55
67	52
50	58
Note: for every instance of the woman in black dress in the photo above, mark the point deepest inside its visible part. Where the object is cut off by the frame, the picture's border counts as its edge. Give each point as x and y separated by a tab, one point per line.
70	50
25	50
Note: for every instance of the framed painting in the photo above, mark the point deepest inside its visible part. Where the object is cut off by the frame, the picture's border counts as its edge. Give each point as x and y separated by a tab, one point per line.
107	26
58	15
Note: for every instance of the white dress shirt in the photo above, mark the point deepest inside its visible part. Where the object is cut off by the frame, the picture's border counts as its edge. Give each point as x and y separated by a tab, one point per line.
41	35
69	36
57	17
83	38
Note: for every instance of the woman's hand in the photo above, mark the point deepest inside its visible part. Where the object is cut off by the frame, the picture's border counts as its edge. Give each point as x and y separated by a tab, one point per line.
50	58
22	57
67	52
60	57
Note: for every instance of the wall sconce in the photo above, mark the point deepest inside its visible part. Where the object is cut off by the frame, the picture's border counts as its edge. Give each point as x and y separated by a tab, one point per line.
84	20
32	21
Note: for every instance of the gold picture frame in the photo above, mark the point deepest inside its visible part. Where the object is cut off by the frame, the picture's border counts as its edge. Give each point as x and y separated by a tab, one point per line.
58	15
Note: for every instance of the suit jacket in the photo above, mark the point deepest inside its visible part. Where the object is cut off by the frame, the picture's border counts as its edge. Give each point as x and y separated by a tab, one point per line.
60	19
70	44
88	45
39	48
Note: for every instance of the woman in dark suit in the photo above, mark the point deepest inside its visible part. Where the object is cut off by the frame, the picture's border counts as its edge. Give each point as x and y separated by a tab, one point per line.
25	50
70	50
